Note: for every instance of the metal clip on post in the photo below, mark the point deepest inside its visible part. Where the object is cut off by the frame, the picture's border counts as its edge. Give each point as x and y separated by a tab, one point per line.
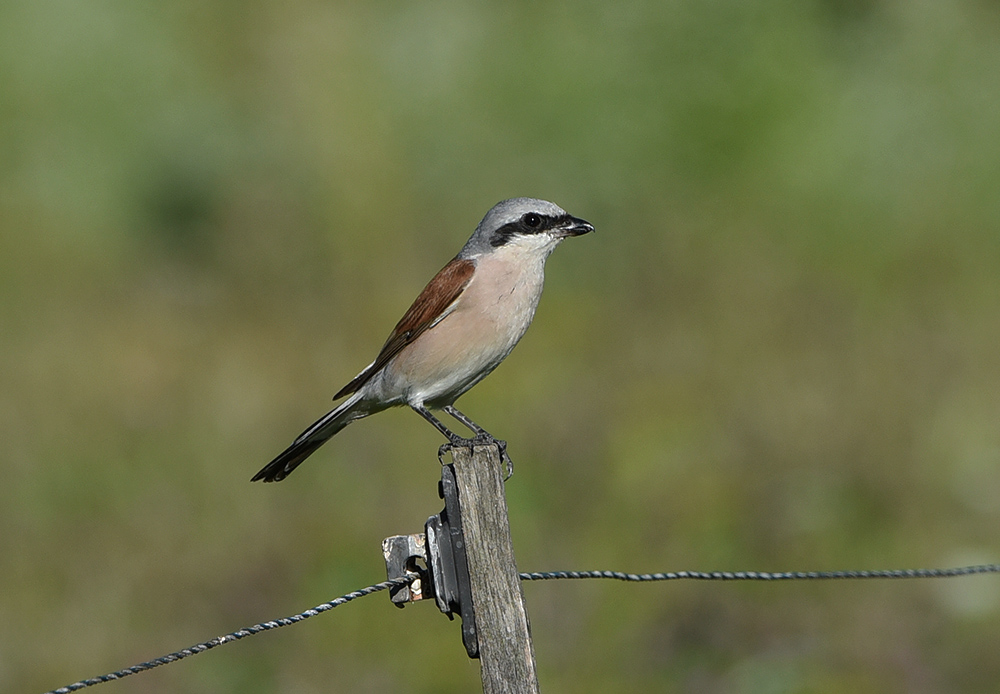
401	554
442	549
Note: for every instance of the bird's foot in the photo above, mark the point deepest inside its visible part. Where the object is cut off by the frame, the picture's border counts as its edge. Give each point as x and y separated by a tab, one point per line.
481	439
444	450
454	441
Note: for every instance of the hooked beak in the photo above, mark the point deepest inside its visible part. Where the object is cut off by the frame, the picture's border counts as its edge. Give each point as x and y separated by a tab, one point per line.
574	226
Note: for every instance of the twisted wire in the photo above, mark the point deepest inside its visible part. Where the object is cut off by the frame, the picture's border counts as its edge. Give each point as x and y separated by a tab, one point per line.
765	575
535	576
234	636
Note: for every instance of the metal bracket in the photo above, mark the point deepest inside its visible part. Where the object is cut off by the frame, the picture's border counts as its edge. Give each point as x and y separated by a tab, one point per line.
401	554
448	564
442	549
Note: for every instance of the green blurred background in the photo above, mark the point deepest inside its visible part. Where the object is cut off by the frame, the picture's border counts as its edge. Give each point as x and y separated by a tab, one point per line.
779	351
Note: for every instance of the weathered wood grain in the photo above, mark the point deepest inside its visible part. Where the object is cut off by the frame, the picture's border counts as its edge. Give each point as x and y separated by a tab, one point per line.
506	654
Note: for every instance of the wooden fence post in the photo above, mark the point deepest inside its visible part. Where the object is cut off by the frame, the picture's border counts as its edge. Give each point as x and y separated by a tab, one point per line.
506	655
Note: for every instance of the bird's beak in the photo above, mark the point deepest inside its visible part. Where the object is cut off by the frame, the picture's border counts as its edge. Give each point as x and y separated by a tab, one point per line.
574	226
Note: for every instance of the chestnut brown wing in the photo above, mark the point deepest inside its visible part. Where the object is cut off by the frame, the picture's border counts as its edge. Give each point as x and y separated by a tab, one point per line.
438	295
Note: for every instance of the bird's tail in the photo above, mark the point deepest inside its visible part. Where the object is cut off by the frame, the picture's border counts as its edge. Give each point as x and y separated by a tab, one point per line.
311	439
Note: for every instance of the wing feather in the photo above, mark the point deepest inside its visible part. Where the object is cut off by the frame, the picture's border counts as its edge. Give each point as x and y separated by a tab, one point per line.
433	304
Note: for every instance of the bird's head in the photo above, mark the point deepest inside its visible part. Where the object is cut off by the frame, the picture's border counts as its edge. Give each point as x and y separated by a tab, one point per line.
536	226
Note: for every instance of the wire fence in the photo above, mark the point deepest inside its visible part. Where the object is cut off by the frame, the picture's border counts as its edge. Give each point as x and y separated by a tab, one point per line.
536	576
768	575
229	638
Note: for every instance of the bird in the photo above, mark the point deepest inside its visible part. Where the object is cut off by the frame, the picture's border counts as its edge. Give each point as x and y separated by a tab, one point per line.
462	325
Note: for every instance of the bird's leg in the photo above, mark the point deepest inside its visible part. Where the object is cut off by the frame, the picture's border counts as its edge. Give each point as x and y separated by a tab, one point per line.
464	419
454	440
483	437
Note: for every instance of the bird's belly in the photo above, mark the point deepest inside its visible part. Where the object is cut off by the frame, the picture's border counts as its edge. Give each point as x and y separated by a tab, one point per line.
445	362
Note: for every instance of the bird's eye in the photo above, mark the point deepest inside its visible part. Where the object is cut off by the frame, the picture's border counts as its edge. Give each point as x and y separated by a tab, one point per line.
531	220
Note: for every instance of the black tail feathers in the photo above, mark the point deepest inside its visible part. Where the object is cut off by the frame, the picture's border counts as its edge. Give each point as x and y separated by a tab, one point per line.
282	466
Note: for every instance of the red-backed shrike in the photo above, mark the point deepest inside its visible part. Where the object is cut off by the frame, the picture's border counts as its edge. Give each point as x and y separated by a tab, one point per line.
465	322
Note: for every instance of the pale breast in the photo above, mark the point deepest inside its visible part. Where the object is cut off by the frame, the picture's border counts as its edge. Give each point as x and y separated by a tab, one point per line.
489	319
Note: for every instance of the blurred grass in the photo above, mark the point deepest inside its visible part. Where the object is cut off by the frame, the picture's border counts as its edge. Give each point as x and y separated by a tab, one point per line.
778	351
